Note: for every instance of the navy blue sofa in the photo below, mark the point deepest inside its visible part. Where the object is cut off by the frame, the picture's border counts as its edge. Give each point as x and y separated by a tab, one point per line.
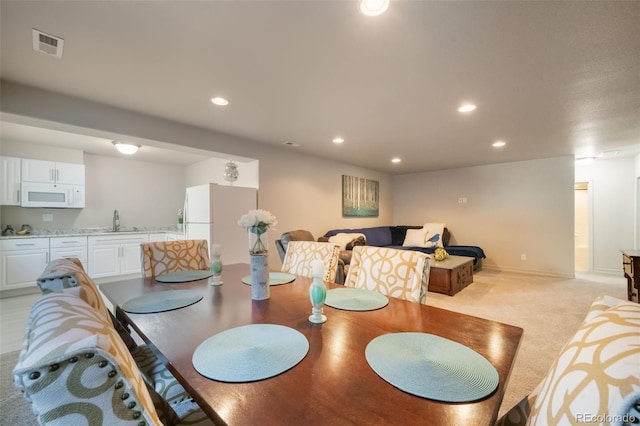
393	237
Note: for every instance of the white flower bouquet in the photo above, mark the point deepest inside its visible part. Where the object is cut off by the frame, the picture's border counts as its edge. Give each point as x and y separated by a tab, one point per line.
258	222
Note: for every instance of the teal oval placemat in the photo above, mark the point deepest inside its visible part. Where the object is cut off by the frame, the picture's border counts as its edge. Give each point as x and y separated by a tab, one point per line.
161	301
275	278
355	299
431	367
183	276
250	353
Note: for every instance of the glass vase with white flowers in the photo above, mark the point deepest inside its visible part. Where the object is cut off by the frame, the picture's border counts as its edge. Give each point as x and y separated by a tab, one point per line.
257	223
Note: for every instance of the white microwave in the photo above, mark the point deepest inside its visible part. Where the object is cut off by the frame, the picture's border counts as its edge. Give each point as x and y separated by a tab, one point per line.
52	195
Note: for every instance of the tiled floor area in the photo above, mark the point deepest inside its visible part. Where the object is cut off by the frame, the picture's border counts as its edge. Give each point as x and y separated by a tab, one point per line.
14	312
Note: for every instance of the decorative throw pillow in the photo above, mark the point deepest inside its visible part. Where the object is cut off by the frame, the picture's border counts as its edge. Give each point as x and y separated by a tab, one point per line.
433	234
596	378
359	241
414	238
343	238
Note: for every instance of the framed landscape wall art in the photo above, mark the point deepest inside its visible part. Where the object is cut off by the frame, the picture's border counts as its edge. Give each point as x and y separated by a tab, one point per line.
360	197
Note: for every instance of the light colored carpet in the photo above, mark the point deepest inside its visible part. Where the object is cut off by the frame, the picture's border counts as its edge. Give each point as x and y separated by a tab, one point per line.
15	410
549	310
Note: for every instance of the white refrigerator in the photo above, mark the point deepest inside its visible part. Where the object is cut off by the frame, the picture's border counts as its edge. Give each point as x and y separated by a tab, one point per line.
212	212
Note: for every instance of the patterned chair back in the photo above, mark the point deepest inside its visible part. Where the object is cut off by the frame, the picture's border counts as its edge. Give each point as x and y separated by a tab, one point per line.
68	276
301	253
397	273
60	274
169	256
73	365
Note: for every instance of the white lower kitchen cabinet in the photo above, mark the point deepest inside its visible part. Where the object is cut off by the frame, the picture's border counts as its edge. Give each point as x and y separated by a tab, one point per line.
67	247
175	236
166	236
22	260
110	255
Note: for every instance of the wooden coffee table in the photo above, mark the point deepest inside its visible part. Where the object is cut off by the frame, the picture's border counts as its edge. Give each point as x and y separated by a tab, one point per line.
451	275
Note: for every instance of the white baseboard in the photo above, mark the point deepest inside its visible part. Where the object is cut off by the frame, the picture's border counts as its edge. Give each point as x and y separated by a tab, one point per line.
541	273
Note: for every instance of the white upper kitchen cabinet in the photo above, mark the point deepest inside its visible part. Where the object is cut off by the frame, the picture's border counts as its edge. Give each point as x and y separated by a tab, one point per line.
52	172
9	181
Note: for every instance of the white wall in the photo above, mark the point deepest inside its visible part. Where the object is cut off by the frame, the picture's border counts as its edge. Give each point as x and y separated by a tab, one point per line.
36	151
637	161
612	189
212	171
302	191
512	209
146	194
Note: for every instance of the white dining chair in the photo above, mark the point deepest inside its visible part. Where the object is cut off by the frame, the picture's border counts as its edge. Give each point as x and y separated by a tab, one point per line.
397	273
160	257
299	255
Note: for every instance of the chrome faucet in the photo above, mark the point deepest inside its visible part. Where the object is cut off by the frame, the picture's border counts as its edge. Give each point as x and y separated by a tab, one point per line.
116	221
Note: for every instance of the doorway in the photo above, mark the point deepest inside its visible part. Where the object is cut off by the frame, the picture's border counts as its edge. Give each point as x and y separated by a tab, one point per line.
582	263
638	213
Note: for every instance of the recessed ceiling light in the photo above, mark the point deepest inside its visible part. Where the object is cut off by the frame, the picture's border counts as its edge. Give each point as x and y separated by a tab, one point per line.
373	7
466	108
338	140
498	144
396	160
220	101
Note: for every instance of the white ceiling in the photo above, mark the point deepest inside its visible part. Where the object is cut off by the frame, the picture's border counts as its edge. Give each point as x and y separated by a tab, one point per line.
150	151
551	78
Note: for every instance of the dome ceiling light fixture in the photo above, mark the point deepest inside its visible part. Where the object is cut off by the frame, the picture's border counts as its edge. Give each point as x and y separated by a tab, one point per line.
373	7
126	148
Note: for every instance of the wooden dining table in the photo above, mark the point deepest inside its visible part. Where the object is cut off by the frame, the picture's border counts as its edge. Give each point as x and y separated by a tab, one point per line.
333	384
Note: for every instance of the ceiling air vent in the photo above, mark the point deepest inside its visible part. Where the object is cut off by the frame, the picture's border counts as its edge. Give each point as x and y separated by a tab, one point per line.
47	43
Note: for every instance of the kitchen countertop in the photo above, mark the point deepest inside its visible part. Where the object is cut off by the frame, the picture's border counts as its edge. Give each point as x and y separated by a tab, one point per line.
85	232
